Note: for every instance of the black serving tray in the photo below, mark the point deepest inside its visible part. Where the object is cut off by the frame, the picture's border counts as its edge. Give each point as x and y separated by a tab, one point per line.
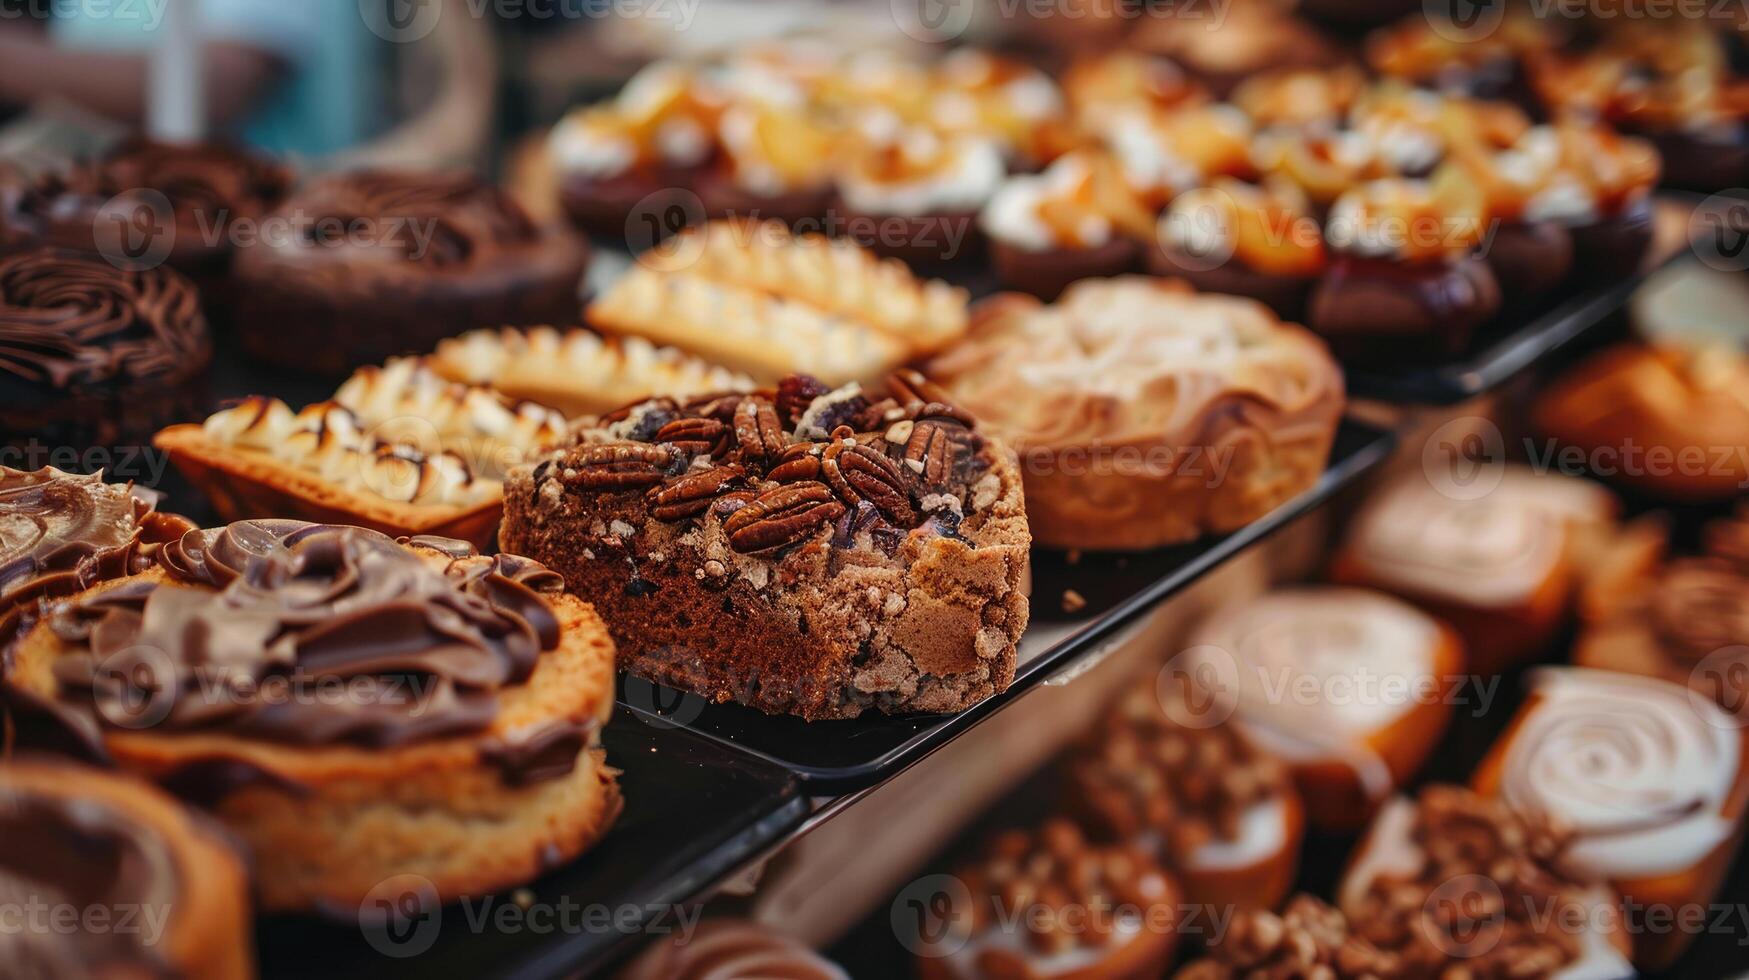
839	756
695	812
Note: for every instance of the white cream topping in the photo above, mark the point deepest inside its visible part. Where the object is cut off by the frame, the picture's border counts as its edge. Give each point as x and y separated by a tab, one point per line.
1566	200
1013	216
972	172
580	145
1638	769
1262	835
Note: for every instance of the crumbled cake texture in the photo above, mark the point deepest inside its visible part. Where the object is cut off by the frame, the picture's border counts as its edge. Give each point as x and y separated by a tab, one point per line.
878	567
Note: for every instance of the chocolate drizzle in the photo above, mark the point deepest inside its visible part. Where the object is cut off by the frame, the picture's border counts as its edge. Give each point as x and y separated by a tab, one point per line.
308	634
69	320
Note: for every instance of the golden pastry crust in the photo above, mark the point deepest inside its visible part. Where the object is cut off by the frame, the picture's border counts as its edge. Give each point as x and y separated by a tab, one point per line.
756	298
209	934
576	371
1148	414
1661	399
328	823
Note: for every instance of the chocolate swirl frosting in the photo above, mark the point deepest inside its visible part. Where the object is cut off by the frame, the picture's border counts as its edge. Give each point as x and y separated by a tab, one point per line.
310	634
81	854
72	320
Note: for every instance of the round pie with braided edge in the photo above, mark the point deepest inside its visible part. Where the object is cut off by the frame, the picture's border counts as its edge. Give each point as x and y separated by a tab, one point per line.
1145	413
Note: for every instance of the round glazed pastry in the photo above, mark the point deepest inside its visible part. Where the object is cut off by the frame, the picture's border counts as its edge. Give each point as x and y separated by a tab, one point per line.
1247	38
1049	904
1404	280
1146	414
1650	781
1243	240
1077	220
195	194
352	708
1452	882
914	196
724	949
91	354
61	533
1499	566
1224	816
378	264
1368	678
171	888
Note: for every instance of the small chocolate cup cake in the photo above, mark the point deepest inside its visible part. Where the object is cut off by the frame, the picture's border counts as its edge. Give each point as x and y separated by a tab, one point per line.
1614	247
96	355
375	264
1074	221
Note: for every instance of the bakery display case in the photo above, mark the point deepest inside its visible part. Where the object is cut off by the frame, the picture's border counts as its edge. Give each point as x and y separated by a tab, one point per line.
1094	490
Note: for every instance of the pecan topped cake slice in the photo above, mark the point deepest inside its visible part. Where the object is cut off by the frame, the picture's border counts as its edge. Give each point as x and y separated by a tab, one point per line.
801	550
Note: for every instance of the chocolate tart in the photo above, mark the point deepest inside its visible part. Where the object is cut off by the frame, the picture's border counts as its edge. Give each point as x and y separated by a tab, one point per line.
607	207
811	552
172	885
62	533
95	355
398	449
1379	310
383	263
1529	259
361	713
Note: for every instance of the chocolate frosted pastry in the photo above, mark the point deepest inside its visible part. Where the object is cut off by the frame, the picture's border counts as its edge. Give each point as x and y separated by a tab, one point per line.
578	372
1079	219
398	449
62	533
353	708
1650	779
1685	619
91	354
1452	881
1148	414
1162	774
1050	904
1308	939
194	194
1597	184
171	889
803	551
755	298
723	949
377	264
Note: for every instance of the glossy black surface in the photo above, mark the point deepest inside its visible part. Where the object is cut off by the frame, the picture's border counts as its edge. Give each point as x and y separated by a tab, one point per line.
841	755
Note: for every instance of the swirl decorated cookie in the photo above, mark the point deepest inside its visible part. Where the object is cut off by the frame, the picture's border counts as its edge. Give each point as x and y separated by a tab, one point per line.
94	354
352	707
371	265
807	551
1650	779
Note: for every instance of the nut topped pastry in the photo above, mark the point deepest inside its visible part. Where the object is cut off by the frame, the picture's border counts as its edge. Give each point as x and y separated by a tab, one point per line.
1148	414
755	298
1308	939
386	263
1048	903
171	888
803	550
1455	881
353	707
1216	809
94	354
61	533
575	371
398	448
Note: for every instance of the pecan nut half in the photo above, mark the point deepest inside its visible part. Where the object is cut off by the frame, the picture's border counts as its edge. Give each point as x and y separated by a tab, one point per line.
697	436
759	432
909	385
615	466
931	451
798	462
858	473
692	494
782	517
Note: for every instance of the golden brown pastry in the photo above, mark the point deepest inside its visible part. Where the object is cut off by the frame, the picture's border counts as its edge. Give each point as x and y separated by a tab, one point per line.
1145	413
